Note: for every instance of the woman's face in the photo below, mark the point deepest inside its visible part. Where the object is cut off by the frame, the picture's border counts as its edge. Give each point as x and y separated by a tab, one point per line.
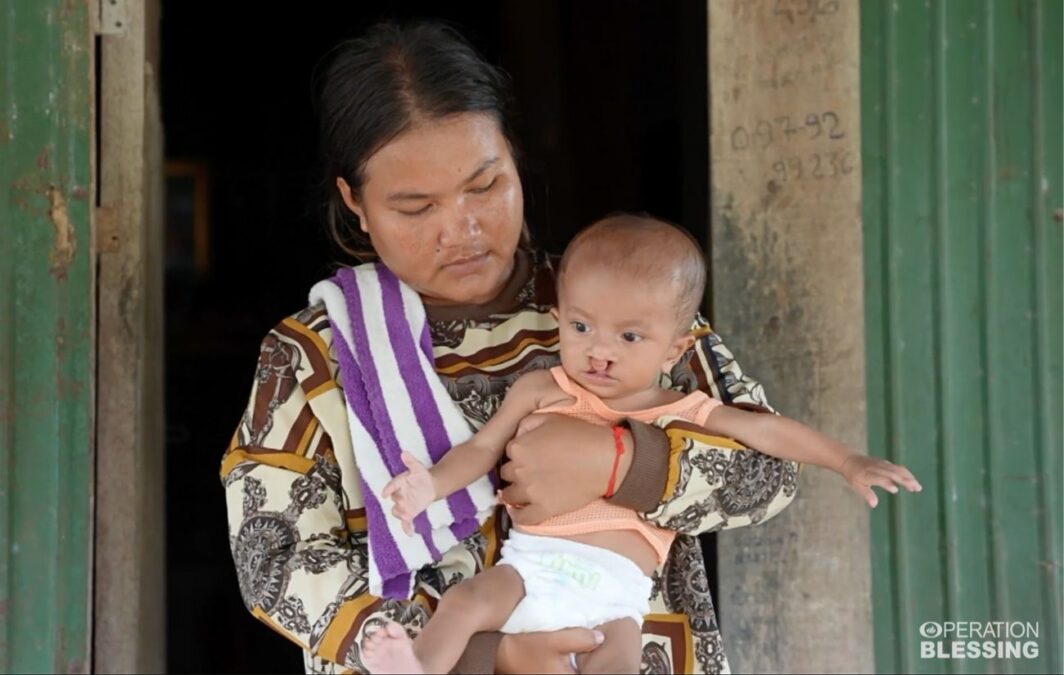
443	207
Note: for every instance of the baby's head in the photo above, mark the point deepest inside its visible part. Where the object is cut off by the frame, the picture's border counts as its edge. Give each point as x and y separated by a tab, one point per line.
629	287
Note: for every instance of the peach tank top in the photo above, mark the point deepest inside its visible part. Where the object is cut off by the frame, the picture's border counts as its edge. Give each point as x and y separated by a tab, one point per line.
600	515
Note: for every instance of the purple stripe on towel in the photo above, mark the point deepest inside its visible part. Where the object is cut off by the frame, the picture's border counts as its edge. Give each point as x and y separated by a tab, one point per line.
462	528
386	554
397	587
395	578
426	411
382	430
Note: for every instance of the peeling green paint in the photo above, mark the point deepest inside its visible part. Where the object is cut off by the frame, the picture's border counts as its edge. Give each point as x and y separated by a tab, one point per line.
46	311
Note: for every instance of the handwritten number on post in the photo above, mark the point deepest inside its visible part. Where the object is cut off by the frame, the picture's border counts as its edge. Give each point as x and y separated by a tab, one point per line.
793	10
834	133
760	134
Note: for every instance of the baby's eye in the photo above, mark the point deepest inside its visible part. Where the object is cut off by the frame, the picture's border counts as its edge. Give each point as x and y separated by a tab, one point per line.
631	337
579	326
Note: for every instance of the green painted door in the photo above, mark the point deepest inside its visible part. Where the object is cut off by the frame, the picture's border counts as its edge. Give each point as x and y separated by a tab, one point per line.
46	328
962	155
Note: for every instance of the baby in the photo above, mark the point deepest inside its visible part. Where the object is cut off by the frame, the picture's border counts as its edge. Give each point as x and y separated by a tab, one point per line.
629	288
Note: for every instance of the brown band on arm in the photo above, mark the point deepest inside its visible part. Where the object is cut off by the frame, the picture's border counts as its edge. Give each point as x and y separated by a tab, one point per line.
480	653
644	487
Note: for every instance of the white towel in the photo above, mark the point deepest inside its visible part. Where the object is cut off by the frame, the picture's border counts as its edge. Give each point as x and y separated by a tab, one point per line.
396	403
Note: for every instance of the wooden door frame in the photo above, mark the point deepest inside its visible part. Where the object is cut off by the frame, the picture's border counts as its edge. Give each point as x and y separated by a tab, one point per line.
788	297
130	588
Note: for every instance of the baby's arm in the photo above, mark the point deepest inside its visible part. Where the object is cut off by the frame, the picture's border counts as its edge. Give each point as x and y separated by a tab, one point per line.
413	490
787	439
466	462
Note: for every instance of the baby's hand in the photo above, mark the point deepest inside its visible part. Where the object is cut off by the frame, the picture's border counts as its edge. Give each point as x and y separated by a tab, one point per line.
411	492
863	472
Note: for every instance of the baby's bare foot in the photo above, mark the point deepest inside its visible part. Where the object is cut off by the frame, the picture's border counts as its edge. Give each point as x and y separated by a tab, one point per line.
390	650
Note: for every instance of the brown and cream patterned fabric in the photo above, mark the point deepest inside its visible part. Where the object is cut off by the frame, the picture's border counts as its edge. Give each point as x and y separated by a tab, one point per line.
297	525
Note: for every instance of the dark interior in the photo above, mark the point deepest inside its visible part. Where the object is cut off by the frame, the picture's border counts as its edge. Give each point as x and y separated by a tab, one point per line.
612	114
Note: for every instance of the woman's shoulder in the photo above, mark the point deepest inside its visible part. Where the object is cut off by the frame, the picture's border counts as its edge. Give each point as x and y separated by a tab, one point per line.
304	339
313	317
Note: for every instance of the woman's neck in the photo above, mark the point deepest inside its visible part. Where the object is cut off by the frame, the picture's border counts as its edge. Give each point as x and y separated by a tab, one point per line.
504	300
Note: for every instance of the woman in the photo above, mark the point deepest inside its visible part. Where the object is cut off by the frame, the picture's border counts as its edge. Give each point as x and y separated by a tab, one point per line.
415	140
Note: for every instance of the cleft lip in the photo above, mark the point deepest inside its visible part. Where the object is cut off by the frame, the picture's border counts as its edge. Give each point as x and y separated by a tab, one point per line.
594	374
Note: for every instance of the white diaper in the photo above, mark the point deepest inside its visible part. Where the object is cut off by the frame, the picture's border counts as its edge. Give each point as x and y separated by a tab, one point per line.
569	584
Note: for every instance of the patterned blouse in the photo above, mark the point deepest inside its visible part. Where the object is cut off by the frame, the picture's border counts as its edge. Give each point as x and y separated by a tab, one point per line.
297	525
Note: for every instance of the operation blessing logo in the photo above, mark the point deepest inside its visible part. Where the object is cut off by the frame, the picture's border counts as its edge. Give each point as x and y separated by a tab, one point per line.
979	640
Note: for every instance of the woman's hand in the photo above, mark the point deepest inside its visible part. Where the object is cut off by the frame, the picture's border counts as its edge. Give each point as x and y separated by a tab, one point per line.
544	652
558	464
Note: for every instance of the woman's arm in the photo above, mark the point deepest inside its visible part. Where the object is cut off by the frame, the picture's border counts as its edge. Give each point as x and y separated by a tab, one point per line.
414	490
672	472
708	482
468	461
297	527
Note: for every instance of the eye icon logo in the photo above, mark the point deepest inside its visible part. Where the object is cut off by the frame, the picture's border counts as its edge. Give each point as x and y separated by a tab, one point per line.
931	629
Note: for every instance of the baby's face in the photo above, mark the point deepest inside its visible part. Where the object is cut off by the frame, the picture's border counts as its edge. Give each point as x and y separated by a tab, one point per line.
617	333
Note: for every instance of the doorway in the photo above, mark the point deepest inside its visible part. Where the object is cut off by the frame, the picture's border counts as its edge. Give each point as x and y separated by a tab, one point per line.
611	113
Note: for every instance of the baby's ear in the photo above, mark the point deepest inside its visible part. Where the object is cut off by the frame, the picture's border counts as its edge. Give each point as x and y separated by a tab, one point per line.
684	343
679	347
554	313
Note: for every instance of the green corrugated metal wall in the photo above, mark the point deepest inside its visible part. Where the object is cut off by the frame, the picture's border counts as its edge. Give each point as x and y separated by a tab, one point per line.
45	336
962	154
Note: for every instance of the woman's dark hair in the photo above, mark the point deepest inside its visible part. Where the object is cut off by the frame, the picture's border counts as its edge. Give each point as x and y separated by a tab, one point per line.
377	85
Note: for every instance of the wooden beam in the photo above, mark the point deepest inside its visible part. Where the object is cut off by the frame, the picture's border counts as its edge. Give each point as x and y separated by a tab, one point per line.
130	516
787	293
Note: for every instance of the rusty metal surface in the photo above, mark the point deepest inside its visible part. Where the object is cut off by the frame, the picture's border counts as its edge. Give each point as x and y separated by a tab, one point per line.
46	325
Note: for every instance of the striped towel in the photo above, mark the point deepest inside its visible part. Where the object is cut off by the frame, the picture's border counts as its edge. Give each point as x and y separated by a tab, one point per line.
396	403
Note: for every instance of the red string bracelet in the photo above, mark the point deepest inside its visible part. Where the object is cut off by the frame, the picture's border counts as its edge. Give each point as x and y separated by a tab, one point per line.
618	441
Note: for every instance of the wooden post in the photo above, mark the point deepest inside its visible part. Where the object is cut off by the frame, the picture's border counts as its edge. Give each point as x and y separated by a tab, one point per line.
788	298
130	516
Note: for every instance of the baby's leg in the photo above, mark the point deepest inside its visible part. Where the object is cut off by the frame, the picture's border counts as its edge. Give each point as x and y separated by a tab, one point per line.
620	652
482	603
